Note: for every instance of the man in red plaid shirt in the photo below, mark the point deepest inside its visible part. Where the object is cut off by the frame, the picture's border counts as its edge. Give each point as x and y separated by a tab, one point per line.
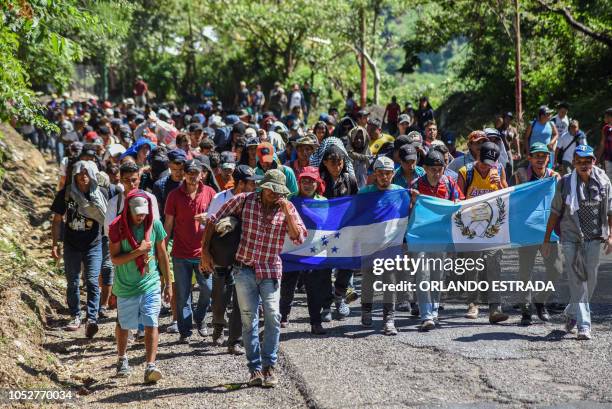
267	217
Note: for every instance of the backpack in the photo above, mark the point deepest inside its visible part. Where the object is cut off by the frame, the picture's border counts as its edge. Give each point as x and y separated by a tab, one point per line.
469	174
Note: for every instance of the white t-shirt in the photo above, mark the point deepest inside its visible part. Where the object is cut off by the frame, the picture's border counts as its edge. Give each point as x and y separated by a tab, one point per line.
561	124
296	100
219	200
566	140
112	211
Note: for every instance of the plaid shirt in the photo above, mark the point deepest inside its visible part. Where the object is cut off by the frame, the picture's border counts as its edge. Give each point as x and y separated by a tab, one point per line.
262	236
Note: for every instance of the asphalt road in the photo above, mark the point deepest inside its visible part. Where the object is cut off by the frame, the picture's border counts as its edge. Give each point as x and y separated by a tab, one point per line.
463	364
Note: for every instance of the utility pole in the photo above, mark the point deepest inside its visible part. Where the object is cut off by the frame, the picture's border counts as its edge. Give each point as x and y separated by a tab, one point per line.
518	87
362	33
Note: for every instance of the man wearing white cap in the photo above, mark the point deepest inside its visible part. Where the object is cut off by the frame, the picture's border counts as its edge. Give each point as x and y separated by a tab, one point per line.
137	250
383	175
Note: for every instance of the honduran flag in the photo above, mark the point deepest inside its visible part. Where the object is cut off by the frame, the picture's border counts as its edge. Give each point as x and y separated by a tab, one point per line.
511	217
345	231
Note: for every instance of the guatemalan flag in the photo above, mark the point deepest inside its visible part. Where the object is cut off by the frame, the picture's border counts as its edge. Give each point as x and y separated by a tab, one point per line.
512	217
344	232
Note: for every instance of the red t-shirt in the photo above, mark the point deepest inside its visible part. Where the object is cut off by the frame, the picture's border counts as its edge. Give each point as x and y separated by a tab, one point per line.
187	231
441	191
393	111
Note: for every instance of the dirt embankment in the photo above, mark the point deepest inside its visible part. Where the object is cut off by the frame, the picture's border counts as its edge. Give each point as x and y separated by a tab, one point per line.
32	287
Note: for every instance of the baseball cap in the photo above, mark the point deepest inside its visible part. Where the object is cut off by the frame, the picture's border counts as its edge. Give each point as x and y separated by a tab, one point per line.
544	110
177	155
139	205
403	118
584	151
538	147
228	160
408	152
489	153
193	165
265	152
252	141
434	158
245	172
492	133
195	127
250	132
207	143
363	112
508	115
401	141
374	122
476	136
384	163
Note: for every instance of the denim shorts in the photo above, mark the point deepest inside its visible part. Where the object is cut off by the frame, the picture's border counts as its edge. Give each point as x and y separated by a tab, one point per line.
142	309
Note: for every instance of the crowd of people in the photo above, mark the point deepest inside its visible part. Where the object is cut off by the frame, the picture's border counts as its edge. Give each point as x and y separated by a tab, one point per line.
144	188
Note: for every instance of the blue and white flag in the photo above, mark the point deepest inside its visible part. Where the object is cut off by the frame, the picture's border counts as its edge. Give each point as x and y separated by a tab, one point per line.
512	217
343	232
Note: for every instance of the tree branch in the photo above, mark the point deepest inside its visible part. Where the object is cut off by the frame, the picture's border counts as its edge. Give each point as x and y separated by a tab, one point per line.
565	13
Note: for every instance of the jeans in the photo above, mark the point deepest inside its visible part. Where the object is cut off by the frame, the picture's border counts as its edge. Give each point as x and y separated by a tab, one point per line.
318	283
492	272
581	291
249	290
59	150
107	264
343	280
429	301
183	271
223	289
553	264
92	260
367	292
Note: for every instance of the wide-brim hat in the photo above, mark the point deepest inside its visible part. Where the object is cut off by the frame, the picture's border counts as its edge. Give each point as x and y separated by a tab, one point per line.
275	180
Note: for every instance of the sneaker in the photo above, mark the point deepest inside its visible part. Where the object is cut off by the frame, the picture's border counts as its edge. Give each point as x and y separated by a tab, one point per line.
496	315
366	319
152	374
326	315
351	296
414	309
342	309
542	312
472	311
526	319
173	328
103	313
404	306
217	337
584	334
202	330
73	325
235	349
427	325
270	378
91	329
317	329
570	325
123	367
256	379
389	328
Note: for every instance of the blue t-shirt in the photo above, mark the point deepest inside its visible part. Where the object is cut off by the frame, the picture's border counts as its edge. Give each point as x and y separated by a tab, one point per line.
540	133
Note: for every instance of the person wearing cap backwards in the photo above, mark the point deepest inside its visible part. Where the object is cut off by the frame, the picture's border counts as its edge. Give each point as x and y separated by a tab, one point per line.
185	213
137	250
582	206
542	130
535	170
83	203
267	159
318	282
476	179
305	147
223	278
433	183
383	175
267	217
475	141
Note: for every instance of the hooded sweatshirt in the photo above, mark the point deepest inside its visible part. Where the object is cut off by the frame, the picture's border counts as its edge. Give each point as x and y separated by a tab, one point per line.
361	156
